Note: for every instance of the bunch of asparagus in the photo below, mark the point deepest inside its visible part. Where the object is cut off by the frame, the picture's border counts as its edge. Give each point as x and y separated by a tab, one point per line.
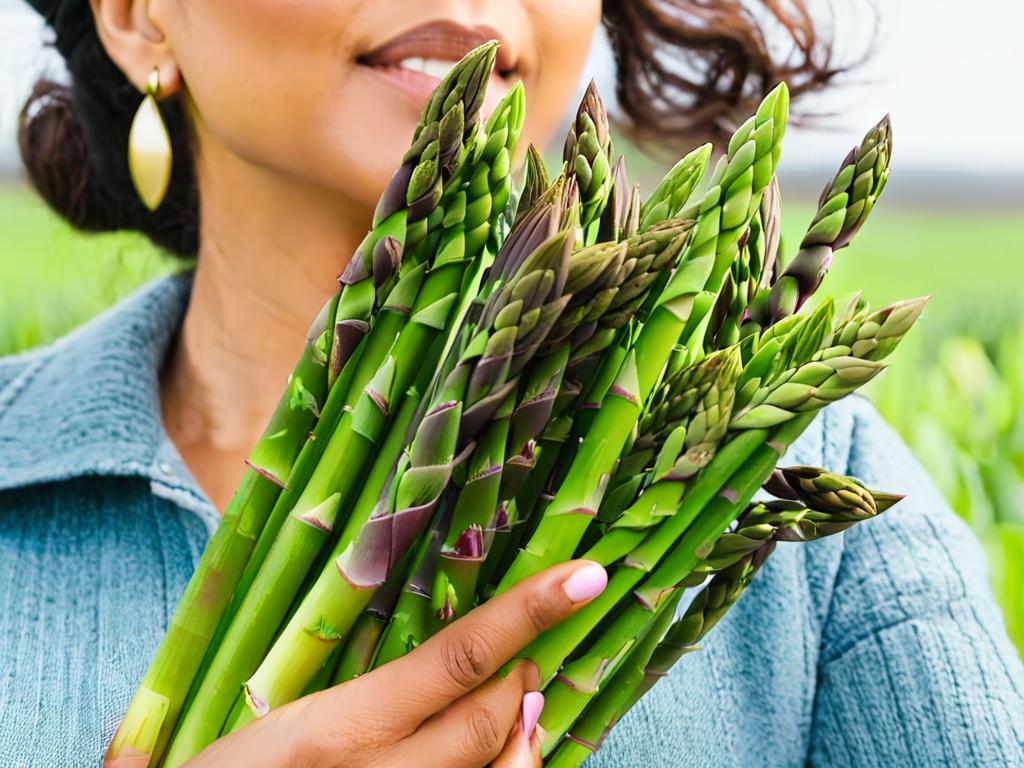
500	385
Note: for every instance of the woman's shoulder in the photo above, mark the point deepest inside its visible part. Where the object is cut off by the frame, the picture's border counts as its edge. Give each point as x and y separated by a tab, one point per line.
13	366
90	399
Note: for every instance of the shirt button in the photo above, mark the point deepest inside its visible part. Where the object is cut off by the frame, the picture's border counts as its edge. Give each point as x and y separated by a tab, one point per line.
166	468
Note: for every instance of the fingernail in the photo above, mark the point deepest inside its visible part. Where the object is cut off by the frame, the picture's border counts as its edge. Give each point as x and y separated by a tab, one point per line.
586	583
533	705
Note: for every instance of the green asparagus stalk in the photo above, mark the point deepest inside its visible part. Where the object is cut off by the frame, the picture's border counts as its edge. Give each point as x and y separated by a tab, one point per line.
833	503
568	695
767	241
458	540
755	265
651	659
680	316
633	266
736	554
537	181
540	222
361	645
587	155
271	585
388	372
590	730
444	584
673	194
615	217
735	559
418	310
150	717
674	548
646	256
455	564
580	681
674	191
514	323
680	435
830	374
299	541
843	208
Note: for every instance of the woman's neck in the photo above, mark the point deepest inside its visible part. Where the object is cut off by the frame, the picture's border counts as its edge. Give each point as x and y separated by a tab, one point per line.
270	253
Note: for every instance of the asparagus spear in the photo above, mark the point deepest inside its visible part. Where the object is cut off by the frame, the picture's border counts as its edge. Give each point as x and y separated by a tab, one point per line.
361	645
677	188
680	316
393	362
444	581
672	549
386	522
267	588
537	182
579	332
615	217
674	191
755	266
418	310
843	208
588	732
835	503
654	653
689	417
647	255
154	709
587	155
477	500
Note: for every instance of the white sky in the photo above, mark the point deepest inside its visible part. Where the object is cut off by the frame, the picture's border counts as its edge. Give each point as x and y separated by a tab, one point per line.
947	70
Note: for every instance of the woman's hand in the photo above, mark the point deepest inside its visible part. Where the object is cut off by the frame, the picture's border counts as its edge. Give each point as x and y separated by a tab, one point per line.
440	706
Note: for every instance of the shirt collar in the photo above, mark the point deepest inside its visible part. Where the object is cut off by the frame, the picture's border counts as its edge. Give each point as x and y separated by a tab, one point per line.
89	404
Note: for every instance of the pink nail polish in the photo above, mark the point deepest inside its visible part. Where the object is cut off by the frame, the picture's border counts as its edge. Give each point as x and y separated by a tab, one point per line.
533	705
586	583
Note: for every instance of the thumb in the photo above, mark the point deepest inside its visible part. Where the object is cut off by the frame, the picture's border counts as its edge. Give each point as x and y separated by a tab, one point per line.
522	750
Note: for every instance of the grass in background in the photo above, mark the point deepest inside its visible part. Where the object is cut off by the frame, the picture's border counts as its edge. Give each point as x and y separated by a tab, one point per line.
53	278
956	394
961	410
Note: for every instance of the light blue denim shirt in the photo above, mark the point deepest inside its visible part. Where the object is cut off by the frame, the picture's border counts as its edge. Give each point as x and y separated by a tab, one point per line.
882	647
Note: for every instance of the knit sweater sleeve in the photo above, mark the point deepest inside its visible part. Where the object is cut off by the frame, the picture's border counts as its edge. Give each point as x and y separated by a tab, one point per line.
915	667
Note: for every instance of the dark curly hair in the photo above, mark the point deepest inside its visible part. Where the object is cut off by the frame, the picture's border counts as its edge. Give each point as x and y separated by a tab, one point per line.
687	70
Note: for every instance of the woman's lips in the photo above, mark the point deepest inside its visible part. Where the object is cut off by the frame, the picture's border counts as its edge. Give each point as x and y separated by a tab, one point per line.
416	60
418	84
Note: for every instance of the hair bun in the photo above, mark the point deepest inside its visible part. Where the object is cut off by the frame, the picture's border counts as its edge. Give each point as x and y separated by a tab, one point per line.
52	143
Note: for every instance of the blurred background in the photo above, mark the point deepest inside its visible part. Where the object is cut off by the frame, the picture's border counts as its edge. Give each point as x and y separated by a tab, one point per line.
951	225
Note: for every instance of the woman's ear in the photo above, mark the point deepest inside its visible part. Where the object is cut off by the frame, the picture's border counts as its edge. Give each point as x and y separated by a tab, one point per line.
135	43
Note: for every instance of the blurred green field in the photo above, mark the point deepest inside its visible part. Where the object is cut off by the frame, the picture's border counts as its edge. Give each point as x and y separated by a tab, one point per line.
52	278
956	392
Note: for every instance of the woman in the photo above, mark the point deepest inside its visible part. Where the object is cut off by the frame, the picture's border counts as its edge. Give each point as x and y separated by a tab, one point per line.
119	443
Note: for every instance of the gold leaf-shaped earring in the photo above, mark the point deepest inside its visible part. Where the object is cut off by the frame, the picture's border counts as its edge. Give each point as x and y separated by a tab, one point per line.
149	148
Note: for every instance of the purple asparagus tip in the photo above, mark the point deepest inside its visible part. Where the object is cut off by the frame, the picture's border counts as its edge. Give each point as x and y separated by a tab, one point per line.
469	545
258	706
500	521
267	475
447	611
588	745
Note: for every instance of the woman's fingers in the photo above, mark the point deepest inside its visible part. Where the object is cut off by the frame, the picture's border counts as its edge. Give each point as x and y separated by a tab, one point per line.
522	750
464	655
472	731
128	758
